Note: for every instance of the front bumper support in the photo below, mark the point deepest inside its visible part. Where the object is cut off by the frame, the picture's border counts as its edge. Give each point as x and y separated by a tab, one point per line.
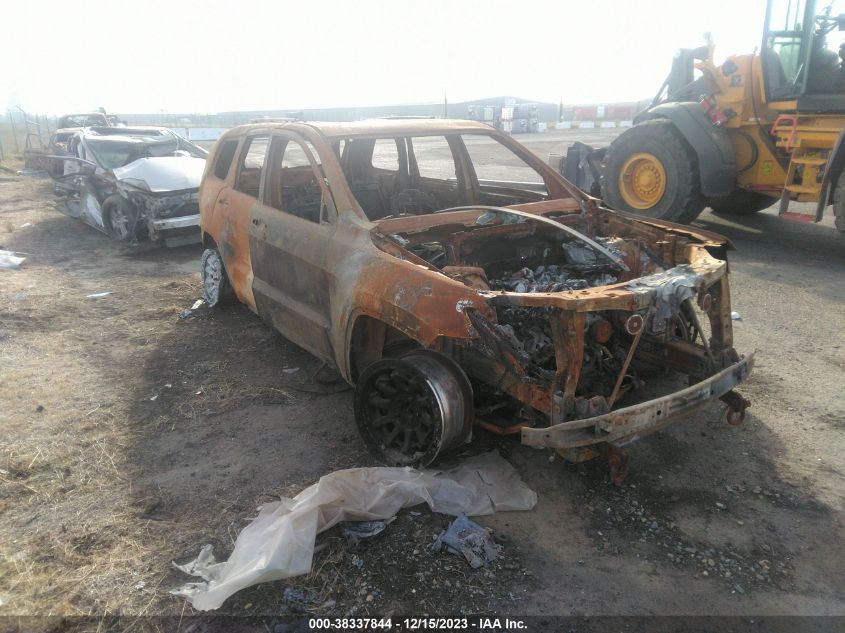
628	424
181	222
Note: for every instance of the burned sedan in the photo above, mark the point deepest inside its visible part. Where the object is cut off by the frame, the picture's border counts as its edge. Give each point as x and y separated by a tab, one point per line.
132	183
456	280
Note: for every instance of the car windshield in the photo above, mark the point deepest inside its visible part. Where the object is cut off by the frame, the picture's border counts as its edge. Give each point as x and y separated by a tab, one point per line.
112	153
402	175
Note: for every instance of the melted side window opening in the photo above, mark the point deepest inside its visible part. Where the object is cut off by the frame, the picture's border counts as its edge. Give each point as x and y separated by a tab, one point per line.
292	183
392	176
225	158
386	154
252	162
433	158
499	170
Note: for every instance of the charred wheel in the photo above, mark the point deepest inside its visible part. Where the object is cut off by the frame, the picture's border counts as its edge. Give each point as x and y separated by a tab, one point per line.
412	409
650	171
216	289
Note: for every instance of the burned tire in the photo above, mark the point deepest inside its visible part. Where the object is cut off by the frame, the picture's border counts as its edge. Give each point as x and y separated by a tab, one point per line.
741	202
413	409
120	218
216	287
839	203
650	171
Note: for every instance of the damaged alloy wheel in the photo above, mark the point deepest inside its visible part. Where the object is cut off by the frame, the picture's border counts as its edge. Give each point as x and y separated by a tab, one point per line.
412	409
120	218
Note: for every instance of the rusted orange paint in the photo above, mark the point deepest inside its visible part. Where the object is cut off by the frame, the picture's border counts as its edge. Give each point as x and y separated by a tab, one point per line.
368	274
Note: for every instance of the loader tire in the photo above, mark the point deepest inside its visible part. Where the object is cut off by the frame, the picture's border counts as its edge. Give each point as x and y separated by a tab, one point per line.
650	171
741	202
839	203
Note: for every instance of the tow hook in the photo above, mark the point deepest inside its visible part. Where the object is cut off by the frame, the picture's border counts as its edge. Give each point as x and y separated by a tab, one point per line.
737	405
617	460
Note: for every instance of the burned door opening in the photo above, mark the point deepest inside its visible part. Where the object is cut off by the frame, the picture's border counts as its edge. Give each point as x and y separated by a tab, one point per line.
288	232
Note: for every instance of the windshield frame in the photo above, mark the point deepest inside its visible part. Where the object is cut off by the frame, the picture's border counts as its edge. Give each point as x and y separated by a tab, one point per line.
466	180
133	144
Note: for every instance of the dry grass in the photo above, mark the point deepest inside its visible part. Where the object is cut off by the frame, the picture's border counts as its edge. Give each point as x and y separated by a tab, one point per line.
84	383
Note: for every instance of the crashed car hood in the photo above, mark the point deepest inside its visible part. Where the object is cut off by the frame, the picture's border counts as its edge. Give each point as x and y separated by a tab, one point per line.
163	173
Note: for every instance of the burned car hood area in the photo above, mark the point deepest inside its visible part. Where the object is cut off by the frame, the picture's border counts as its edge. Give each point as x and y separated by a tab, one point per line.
568	313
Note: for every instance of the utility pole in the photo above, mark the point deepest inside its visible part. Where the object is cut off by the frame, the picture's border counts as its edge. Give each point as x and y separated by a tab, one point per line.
445	106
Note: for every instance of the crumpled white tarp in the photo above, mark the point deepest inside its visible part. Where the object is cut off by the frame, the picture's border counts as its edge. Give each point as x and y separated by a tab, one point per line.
10	261
279	543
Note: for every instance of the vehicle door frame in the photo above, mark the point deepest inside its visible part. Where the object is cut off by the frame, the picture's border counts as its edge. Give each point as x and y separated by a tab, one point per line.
459	156
300	310
233	242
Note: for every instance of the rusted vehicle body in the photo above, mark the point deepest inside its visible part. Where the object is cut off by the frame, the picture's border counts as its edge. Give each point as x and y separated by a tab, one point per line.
132	183
454	278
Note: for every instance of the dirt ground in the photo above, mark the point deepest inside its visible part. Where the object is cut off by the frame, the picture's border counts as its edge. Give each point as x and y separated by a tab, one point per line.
130	437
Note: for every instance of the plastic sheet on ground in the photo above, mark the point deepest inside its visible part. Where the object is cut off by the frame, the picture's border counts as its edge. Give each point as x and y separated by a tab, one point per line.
279	543
10	261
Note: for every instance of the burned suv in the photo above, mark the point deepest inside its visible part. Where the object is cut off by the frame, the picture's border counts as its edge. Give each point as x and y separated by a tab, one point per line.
132	182
455	279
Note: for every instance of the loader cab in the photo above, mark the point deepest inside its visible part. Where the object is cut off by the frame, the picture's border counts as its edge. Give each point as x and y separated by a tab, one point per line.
803	69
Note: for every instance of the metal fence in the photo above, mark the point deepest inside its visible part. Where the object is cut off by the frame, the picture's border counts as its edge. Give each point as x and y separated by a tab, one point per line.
21	131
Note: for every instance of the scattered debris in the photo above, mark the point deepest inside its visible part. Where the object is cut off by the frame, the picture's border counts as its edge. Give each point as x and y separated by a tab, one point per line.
26	224
735	316
198	304
290	370
298	600
97	295
10	261
279	543
361	530
552	278
626	522
467	538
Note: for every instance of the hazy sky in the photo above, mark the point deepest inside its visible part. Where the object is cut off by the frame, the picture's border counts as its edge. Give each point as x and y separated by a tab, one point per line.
210	56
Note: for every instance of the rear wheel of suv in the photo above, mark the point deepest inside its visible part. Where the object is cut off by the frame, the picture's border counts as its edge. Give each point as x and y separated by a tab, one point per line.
216	288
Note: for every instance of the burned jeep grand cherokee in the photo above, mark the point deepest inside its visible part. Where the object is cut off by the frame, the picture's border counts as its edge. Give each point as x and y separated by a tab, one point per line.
455	279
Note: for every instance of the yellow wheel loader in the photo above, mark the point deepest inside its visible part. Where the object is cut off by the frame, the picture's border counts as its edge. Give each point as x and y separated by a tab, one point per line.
740	135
